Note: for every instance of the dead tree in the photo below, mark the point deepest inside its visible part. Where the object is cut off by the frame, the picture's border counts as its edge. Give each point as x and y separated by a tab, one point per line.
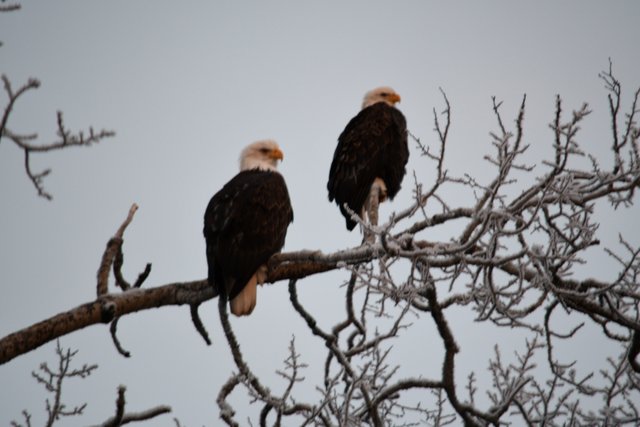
512	262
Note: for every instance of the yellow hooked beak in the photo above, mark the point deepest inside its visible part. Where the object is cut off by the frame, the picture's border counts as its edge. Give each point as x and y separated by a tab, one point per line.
394	97
276	154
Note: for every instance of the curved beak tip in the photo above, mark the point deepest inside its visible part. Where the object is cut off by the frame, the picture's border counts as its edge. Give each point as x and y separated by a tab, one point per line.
277	154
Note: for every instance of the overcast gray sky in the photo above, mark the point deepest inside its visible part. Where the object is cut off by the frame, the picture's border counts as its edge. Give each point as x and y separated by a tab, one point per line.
186	85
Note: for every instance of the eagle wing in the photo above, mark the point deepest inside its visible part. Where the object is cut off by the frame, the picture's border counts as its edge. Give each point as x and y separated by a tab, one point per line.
245	223
373	144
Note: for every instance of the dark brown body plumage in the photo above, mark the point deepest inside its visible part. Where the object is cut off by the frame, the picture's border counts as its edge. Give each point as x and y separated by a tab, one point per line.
373	145
245	223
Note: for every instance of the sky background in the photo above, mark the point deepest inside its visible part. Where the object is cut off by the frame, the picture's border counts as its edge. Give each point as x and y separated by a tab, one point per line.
185	86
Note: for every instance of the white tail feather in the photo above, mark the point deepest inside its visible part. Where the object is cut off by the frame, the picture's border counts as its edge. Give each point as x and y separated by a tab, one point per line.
244	303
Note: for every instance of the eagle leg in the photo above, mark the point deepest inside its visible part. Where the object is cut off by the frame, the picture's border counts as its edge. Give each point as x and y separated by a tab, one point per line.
381	187
261	274
377	195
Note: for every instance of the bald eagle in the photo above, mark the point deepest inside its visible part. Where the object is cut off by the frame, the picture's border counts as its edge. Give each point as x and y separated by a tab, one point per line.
372	148
246	223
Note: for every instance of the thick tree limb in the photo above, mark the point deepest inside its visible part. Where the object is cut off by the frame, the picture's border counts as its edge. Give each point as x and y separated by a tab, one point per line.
284	266
109	306
102	310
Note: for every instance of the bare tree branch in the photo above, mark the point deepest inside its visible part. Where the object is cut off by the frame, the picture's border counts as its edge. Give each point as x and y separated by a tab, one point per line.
52	380
121	417
66	137
512	259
